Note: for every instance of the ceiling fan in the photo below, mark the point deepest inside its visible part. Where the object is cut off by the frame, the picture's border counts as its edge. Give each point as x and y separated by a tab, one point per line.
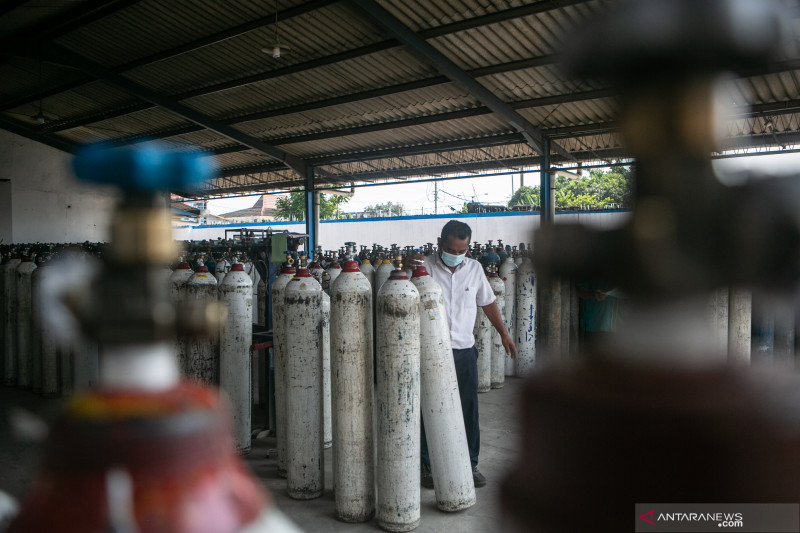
276	48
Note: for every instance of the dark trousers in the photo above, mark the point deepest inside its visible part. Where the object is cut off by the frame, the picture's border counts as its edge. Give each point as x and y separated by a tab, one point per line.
467	376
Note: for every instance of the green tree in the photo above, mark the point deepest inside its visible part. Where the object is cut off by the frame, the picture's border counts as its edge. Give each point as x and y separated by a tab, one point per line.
294	207
601	189
382	209
525	196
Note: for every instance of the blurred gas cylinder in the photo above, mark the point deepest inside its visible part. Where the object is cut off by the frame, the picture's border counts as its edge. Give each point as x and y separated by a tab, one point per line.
144	451
498	359
23	311
654	415
10	320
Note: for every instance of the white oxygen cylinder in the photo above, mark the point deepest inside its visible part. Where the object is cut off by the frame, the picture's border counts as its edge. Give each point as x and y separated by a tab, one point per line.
397	360
368	270
220	270
316	271
202	353
36	331
483	344
262	300
279	362
498	366
235	339
441	404
526	319
325	347
177	292
334	270
381	275
302	298
10	321
49	348
508	273
24	308
353	391
255	279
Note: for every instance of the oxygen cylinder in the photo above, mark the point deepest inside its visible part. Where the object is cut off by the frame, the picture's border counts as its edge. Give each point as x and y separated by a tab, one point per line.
483	344
325	347
316	270
66	364
508	273
36	331
368	270
202	353
177	293
352	395
86	364
23	280
381	275
220	270
526	318
398	357
333	271
10	320
441	404
262	300
279	362
304	409
49	348
255	279
498	366
235	338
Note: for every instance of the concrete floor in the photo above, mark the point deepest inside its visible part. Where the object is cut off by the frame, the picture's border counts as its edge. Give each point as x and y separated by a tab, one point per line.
499	444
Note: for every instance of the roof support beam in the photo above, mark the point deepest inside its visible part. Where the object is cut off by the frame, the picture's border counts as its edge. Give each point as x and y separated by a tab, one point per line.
71	59
178	50
501	68
432	56
446	29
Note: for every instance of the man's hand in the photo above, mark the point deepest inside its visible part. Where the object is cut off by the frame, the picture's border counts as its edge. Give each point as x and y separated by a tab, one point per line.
508	344
413	259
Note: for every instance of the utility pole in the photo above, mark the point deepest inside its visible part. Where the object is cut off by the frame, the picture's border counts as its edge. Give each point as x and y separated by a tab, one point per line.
435	197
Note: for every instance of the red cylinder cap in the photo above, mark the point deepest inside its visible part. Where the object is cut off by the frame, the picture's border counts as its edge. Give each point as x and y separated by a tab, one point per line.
288	270
336	265
420	271
350	266
26	259
303	273
314	265
398	274
237	267
492	275
202	268
183	266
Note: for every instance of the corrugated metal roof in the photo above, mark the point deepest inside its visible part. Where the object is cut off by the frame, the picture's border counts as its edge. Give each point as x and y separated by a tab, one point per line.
345	90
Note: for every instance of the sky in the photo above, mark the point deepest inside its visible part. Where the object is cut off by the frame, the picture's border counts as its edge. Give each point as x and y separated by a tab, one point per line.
419	197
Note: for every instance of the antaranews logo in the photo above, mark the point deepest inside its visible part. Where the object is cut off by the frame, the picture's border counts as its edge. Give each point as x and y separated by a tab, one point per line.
744	518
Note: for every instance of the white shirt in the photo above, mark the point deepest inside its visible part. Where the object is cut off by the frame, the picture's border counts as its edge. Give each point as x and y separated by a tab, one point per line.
463	290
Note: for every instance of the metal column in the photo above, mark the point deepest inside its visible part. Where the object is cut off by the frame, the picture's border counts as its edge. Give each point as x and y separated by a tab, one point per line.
548	312
312	209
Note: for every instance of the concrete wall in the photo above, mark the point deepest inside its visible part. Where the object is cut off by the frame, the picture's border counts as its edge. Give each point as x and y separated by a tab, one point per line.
42	202
512	228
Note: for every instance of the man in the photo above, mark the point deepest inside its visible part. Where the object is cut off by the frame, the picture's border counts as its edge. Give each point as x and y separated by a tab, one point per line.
464	287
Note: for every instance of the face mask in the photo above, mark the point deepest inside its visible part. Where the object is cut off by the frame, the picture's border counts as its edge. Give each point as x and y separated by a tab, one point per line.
452	260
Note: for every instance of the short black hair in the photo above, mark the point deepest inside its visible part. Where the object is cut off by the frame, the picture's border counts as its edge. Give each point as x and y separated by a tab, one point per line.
457	229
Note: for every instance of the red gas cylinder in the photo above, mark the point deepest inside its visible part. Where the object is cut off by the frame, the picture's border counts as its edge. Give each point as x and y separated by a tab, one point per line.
175	447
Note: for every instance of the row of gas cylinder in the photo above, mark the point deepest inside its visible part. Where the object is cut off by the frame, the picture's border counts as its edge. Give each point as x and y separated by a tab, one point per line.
511	276
33	357
323	346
